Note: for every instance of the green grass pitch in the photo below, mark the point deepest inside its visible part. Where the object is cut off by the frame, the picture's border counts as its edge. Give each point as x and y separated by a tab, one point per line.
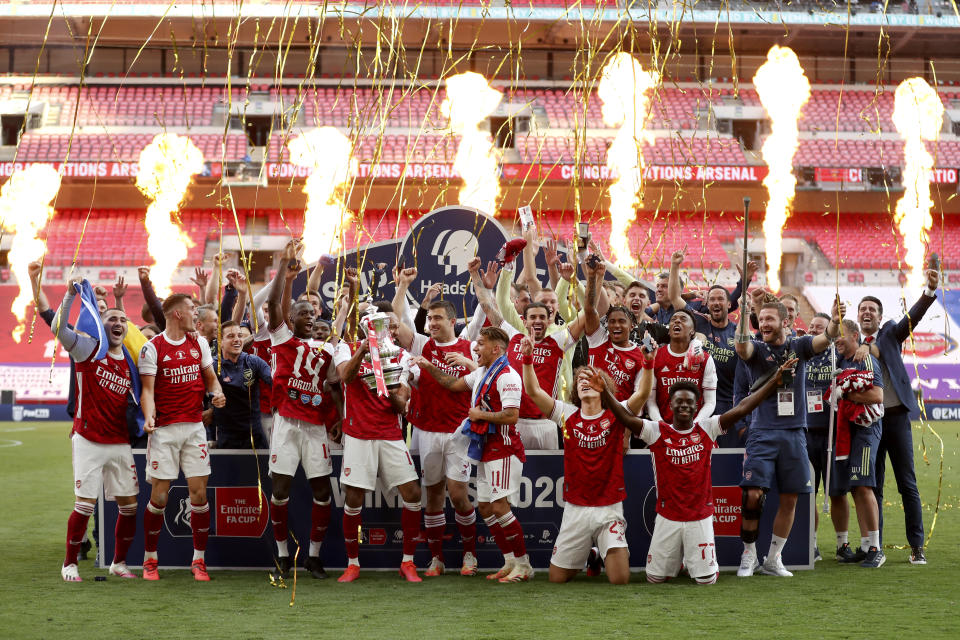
898	600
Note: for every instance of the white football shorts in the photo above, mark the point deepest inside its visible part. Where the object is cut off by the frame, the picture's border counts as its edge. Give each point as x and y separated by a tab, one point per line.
438	457
363	460
295	442
581	527
538	434
499	479
688	544
181	445
97	466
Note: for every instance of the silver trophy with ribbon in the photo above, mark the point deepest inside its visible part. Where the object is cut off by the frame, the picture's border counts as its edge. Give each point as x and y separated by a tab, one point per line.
383	355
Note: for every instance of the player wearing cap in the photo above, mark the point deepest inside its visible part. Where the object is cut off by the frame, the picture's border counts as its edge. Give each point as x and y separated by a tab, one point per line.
176	370
776	447
683	532
435	413
102	459
305	411
373	447
593	485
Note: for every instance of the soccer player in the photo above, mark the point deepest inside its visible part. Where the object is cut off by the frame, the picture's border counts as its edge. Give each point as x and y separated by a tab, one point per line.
102	458
176	370
438	413
683	532
611	349
305	410
593	485
858	438
682	359
494	410
237	425
886	342
373	446
536	431
776	447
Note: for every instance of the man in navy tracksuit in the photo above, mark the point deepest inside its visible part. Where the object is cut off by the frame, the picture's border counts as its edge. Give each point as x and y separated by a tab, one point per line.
885	343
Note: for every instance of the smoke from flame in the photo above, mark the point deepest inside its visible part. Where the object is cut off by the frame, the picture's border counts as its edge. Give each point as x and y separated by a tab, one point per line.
918	116
166	169
783	90
25	209
329	154
470	99
623	91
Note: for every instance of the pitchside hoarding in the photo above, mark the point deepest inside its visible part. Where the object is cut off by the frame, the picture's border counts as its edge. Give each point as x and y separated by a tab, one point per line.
241	536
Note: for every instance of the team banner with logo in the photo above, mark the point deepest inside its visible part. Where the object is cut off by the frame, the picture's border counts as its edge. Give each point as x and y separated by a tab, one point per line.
241	535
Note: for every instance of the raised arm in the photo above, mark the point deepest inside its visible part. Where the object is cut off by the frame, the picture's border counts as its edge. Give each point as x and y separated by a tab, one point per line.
913	317
240	305
505	308
530	382
623	416
528	275
34	269
594	271
79	346
822	341
753	400
674	288
119	290
639	397
744	345
485	297
151	298
402	279
552	258
313	282
288	270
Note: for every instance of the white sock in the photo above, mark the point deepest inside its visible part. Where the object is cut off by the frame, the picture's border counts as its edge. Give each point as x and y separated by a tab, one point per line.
524	559
407	557
508	558
314	549
353	561
282	550
776	548
149	555
873	539
750	547
843	537
197	554
864	542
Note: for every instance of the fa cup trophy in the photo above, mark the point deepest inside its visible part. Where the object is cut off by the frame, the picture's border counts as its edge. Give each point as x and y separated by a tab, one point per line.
383	356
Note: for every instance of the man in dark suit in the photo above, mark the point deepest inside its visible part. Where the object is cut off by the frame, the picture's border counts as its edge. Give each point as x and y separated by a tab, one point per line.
899	401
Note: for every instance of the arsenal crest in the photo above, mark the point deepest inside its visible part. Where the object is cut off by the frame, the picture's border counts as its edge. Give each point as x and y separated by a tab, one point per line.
154	464
346	471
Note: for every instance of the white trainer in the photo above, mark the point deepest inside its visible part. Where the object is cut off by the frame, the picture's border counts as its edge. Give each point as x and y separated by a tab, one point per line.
120	570
521	572
69	573
436	568
503	572
469	567
775	569
748	564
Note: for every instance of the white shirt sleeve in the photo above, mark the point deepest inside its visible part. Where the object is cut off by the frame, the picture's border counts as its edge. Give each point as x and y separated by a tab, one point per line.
509	328
652	409
651	431
147	364
509	386
280	335
411	371
712	426
598	337
341	354
332	375
472	331
206	359
709	389
561	411
563	338
419	342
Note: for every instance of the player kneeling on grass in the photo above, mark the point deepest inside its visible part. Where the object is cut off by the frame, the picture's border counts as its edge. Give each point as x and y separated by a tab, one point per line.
858	399
101	443
683	533
593	486
495	445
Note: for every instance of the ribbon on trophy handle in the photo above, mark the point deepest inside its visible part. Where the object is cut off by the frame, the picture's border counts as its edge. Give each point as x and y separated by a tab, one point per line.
375	359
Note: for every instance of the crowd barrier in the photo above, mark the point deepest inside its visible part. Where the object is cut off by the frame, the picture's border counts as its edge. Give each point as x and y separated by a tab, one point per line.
241	536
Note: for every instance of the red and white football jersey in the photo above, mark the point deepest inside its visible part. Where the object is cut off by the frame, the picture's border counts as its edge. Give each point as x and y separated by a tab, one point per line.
503	393
179	387
623	364
433	408
367	415
547	358
299	370
669	367
102	392
261	349
592	456
681	468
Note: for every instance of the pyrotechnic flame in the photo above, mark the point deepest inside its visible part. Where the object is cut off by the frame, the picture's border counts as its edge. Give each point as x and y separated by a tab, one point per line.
918	116
623	91
166	169
24	210
469	101
329	154
783	89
